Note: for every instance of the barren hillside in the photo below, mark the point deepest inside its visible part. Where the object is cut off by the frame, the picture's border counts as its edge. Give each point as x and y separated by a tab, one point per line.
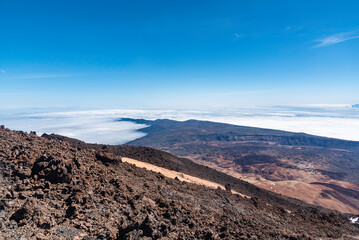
52	190
317	170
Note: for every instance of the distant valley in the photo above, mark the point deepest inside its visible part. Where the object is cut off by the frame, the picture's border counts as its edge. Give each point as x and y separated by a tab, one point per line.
318	170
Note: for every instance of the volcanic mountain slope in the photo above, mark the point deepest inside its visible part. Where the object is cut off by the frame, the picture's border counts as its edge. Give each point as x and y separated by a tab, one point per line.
182	165
318	170
53	190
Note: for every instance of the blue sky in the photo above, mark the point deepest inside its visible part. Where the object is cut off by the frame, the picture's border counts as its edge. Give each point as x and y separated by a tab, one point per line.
176	54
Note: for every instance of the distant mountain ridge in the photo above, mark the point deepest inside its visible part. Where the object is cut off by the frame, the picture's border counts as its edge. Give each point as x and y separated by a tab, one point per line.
243	133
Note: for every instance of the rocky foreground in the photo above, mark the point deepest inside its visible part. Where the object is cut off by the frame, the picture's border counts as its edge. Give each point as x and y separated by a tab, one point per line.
52	190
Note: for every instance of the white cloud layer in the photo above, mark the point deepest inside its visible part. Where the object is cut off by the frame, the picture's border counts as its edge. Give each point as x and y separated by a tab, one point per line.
89	128
100	126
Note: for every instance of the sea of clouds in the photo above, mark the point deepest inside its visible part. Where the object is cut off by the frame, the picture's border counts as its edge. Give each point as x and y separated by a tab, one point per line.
102	126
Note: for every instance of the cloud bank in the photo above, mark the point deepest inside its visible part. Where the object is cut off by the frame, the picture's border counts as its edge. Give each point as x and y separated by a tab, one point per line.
101	126
90	128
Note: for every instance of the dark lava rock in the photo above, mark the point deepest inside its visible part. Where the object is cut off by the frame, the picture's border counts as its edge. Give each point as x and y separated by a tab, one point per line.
53	170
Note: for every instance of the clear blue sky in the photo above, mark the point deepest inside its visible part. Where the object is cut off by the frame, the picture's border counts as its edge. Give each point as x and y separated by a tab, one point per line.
108	54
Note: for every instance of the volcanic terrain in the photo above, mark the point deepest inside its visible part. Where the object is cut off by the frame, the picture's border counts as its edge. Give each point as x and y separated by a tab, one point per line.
66	189
318	170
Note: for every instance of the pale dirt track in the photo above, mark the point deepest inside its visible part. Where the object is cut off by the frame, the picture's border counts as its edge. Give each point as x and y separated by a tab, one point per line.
173	174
